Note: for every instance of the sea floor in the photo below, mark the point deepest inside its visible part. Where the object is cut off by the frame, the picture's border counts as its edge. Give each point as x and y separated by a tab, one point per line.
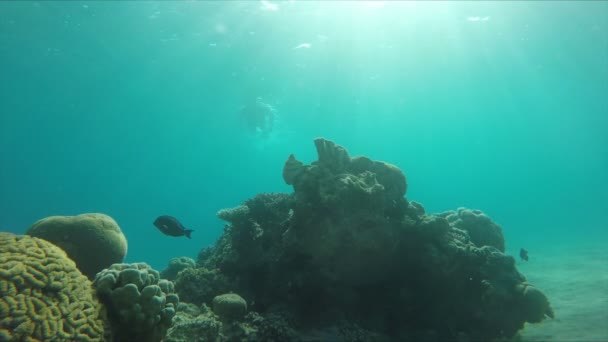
574	277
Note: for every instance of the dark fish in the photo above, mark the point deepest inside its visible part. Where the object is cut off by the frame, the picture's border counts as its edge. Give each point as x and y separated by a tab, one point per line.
523	254
169	225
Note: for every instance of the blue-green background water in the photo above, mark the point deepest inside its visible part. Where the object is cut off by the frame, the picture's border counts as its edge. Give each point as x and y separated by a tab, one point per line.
129	108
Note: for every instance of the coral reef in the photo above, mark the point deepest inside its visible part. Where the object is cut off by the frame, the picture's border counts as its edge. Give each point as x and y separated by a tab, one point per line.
238	214
274	327
43	296
481	229
140	305
229	307
347	246
192	324
175	266
201	285
93	241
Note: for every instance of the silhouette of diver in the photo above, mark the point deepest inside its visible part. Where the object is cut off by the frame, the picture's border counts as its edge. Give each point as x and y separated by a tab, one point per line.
523	254
258	116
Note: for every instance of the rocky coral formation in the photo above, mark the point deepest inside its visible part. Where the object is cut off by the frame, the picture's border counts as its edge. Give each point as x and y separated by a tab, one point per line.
229	307
274	327
43	296
480	228
140	305
194	324
201	285
175	266
94	241
347	246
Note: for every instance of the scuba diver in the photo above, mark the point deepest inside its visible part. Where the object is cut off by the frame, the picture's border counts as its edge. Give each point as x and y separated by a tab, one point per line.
258	116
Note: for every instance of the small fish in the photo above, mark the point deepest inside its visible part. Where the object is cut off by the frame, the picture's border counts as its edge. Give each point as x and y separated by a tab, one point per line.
169	225
523	254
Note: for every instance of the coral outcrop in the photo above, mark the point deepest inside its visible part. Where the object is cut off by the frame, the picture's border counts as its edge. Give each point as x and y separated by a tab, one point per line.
194	324
140	305
43	296
94	241
347	256
200	324
229	307
175	266
480	228
275	327
201	285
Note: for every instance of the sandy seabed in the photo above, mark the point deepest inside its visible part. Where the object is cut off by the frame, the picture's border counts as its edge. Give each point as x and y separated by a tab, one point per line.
575	278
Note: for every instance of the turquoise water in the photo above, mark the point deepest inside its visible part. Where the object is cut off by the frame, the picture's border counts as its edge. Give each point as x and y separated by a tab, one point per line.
131	109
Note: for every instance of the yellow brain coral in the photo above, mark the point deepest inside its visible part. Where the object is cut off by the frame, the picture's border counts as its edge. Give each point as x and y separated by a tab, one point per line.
43	296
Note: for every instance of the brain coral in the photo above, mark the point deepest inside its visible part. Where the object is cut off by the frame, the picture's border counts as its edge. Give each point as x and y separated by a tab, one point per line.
43	296
93	241
229	306
482	230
